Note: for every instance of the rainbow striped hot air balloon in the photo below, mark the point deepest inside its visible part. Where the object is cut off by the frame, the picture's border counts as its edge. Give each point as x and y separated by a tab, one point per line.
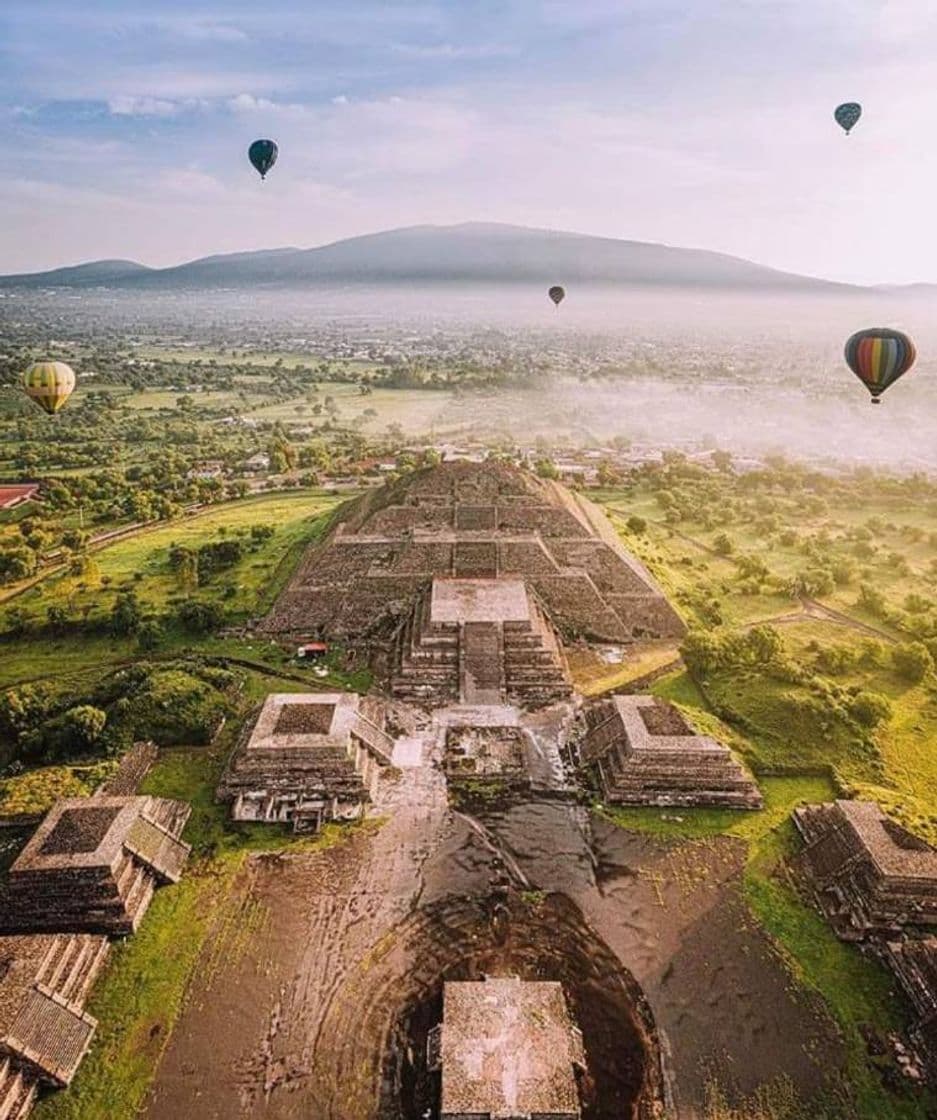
49	384
878	357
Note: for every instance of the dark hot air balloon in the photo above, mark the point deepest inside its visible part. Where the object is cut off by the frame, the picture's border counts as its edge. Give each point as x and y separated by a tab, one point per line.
847	115
878	357
557	294
49	384
263	155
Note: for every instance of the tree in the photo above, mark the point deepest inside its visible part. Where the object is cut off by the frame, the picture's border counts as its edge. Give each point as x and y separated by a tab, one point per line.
16	563
722	544
701	651
125	615
764	644
545	468
912	661
85	723
150	635
870	708
200	617
636	525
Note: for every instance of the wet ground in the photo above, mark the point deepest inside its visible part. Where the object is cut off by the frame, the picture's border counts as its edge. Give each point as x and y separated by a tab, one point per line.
319	1007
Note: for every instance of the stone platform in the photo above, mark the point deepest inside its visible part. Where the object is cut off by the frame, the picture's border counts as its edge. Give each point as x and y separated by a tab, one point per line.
642	752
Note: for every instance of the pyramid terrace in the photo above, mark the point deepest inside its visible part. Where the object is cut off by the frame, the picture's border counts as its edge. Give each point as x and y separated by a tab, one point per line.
869	875
44	1029
642	752
93	865
307	758
469	521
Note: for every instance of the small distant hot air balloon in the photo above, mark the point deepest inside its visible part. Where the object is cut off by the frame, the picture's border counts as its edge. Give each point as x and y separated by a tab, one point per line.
878	357
49	384
557	294
263	155
847	115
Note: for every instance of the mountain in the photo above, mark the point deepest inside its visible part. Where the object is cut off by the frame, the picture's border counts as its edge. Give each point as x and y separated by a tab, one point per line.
473	252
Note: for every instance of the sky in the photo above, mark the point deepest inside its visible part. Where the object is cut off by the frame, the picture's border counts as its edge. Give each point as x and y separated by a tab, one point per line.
701	123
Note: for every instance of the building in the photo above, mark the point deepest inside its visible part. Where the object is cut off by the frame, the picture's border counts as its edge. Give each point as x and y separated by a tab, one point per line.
642	751
481	641
15	495
257	464
870	876
506	1049
914	963
44	1029
306	759
93	865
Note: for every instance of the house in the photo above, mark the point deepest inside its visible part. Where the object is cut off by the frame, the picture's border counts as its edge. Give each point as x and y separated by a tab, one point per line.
257	464
311	651
15	495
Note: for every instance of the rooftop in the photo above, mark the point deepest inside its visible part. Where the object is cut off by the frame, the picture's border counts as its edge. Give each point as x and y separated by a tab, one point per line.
893	850
508	1050
290	720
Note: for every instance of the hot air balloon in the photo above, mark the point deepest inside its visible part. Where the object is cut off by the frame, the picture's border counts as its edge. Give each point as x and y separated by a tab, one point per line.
847	115
49	384
878	357
557	294
263	155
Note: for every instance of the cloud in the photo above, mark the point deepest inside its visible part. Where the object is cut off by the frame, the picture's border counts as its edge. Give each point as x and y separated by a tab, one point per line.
126	106
450	51
248	103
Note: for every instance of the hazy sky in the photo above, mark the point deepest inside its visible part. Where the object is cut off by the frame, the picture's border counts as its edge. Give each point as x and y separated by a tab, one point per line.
704	123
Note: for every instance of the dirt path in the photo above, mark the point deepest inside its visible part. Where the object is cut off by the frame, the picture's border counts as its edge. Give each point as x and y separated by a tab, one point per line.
320	1008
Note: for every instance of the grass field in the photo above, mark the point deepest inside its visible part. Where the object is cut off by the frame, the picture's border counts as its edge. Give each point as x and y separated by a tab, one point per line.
140	563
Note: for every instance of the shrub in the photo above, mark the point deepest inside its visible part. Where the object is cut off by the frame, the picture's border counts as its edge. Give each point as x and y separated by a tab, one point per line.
870	708
912	661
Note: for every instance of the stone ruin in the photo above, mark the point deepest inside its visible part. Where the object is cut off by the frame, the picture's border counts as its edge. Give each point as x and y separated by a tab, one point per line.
478	641
493	755
471	521
642	752
914	964
93	865
876	883
506	1048
870	876
307	758
88	871
44	1029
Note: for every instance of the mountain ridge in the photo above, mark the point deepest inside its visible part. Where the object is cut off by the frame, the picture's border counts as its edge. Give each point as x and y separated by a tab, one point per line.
469	252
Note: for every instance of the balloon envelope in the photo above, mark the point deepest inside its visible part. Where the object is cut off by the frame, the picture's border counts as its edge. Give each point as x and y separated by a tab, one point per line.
847	115
878	357
263	155
557	294
49	384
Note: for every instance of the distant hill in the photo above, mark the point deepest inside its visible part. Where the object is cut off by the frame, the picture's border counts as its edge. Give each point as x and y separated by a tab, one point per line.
470	253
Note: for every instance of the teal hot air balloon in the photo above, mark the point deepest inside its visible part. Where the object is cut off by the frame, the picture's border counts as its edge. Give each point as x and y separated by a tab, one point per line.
878	357
263	155
847	115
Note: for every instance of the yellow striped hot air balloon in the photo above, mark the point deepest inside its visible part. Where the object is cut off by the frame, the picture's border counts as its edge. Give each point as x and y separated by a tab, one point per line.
49	384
